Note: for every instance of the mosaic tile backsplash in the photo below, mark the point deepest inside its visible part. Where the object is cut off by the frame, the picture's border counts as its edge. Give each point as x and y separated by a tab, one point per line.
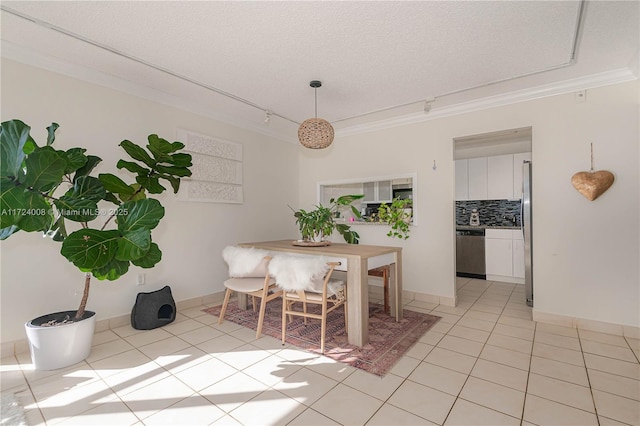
492	212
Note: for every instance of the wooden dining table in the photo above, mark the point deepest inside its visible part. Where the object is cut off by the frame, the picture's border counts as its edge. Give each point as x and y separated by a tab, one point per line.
356	260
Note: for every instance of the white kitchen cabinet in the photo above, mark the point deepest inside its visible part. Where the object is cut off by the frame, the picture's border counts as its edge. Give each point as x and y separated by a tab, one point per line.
377	192
477	169
518	159
369	191
518	258
385	191
504	254
500	177
498	252
462	180
497	177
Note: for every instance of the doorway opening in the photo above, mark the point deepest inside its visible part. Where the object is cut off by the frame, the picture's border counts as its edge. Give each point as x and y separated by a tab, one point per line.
488	206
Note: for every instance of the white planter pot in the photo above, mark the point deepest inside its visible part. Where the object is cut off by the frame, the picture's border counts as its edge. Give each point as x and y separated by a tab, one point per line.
61	345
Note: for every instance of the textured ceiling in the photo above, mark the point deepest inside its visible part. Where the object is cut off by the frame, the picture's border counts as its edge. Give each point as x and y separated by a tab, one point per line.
377	60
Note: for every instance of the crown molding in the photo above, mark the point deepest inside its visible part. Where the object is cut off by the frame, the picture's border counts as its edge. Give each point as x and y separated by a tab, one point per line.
19	54
29	57
567	86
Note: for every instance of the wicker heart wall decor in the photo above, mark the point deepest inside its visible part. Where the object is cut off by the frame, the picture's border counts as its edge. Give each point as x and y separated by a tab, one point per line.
592	184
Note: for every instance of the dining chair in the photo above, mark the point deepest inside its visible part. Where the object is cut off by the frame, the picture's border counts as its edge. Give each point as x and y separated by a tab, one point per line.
307	281
249	275
382	272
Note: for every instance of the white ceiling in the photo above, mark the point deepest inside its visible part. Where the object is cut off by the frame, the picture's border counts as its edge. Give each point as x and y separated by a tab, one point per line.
378	61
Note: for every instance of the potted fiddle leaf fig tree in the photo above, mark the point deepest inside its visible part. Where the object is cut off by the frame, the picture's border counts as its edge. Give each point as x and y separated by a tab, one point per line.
103	223
318	224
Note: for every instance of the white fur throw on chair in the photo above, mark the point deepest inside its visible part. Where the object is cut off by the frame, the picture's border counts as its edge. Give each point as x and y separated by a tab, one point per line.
293	273
245	262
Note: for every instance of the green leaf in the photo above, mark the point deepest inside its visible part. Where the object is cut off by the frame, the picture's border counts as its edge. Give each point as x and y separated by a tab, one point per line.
113	183
347	199
161	145
57	231
137	153
134	244
92	162
150	259
26	209
37	214
139	214
45	168
12	199
87	187
75	159
174	171
112	270
77	209
112	198
139	193
80	203
181	160
151	184
51	133
351	237
90	248
14	138
132	167
8	231
174	181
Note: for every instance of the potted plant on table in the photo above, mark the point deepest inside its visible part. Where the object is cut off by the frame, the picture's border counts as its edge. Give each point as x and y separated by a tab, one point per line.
398	216
43	189
318	224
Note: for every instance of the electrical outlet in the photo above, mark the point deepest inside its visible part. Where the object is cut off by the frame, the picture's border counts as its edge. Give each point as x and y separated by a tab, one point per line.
140	280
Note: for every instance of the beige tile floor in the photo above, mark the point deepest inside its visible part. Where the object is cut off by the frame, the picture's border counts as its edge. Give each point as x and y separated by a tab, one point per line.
484	363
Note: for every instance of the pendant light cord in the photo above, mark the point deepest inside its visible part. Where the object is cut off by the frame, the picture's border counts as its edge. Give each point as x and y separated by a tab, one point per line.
315	95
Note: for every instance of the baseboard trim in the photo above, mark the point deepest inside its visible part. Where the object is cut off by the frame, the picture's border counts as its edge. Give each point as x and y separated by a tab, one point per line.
22	346
587	324
408	296
505	279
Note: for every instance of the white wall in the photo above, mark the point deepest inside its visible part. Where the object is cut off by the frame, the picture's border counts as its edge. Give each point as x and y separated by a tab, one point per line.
586	254
36	279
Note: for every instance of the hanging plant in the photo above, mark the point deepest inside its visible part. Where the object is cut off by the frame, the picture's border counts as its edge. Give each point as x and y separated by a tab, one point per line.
398	216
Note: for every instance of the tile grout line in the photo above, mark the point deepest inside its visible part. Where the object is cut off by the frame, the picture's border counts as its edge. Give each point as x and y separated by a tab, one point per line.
478	357
593	399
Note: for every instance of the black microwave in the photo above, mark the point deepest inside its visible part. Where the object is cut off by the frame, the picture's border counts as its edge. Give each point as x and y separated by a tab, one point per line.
403	194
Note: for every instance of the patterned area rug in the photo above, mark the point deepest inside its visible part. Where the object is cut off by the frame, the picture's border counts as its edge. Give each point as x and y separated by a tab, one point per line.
388	339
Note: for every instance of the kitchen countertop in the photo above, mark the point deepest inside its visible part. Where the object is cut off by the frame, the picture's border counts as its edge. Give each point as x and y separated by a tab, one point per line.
469	227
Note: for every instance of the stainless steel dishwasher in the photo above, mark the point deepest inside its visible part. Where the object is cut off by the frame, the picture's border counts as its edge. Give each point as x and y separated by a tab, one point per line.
470	260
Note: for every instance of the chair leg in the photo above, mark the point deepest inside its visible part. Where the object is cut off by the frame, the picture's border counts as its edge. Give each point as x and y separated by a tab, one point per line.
385	281
253	303
323	327
285	306
304	309
227	296
263	308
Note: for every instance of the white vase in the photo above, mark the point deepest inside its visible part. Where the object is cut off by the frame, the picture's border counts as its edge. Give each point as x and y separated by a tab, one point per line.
60	345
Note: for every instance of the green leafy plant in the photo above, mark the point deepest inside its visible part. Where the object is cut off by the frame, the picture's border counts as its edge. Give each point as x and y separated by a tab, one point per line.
319	223
397	217
42	188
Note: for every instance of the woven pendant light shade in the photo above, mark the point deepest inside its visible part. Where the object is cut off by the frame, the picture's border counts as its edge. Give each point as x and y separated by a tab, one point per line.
315	133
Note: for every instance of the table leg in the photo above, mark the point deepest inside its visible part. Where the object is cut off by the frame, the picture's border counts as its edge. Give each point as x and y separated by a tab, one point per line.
395	285
357	301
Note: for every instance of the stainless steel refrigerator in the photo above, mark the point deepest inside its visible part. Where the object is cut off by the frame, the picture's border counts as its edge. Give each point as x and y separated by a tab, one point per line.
527	231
